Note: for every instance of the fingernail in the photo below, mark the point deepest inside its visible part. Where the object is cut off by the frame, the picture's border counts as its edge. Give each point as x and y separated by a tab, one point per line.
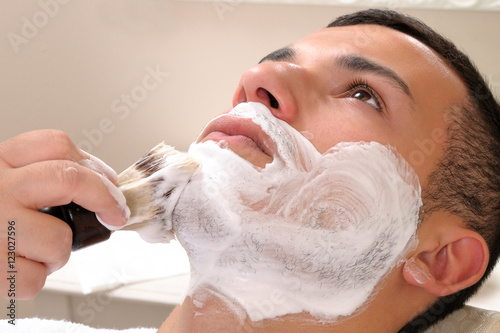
106	224
120	199
125	214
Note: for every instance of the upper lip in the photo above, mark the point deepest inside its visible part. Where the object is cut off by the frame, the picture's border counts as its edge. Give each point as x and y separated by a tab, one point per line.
233	125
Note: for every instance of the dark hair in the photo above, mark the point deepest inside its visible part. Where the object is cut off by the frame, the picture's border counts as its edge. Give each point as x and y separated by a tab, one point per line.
466	181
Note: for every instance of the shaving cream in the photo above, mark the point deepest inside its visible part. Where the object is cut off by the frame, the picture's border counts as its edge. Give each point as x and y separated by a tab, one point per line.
310	232
109	178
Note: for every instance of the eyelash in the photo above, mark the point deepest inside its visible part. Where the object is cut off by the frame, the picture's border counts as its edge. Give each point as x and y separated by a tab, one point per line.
362	84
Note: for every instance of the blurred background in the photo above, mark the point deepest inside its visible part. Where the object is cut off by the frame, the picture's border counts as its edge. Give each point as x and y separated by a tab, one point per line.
120	76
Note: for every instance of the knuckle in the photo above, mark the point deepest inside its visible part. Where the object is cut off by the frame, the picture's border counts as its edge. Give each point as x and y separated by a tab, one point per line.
57	253
62	142
66	241
4	148
58	136
67	174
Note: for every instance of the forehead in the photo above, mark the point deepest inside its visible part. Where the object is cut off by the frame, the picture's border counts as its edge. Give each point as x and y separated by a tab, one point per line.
432	82
388	46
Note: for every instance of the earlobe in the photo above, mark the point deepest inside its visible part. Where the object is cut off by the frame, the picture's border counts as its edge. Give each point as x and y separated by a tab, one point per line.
453	265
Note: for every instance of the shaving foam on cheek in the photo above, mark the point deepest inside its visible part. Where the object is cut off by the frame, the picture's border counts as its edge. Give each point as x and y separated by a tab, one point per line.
310	232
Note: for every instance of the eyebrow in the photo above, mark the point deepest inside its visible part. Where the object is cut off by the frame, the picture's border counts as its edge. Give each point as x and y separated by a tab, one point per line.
360	64
283	54
349	62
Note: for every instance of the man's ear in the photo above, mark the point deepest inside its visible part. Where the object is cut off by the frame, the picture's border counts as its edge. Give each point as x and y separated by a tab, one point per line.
448	258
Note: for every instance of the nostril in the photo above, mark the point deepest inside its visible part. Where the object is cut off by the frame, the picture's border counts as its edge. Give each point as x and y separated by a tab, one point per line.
265	95
273	102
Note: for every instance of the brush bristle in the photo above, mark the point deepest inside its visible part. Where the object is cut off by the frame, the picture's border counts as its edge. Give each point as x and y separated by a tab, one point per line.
152	187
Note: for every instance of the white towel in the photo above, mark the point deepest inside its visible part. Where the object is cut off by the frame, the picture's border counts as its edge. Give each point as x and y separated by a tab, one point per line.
32	325
124	259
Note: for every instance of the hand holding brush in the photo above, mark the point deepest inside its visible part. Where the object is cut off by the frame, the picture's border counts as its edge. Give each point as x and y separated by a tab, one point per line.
151	187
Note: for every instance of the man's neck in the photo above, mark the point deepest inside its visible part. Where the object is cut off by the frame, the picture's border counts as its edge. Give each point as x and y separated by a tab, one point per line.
216	316
388	311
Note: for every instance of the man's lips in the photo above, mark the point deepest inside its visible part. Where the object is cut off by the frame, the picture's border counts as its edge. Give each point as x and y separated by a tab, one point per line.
242	136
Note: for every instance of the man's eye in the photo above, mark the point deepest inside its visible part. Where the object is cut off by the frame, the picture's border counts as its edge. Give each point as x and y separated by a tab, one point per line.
363	92
366	96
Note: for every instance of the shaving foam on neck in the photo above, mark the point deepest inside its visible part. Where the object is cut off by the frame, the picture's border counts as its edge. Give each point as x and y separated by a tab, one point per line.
310	232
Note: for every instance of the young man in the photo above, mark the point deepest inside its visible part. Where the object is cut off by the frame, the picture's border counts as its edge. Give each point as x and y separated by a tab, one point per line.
373	76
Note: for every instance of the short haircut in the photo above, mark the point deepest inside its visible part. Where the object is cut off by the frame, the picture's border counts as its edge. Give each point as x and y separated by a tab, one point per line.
466	181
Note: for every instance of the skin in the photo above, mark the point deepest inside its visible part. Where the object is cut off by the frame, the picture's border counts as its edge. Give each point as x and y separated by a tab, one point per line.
313	96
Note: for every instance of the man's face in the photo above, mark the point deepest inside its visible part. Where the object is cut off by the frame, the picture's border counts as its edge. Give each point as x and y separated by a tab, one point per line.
355	83
295	221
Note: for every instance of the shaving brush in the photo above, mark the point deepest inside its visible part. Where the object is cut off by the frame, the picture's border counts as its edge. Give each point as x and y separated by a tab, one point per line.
151	186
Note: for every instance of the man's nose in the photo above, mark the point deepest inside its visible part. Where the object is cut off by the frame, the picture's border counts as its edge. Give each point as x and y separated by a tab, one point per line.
274	84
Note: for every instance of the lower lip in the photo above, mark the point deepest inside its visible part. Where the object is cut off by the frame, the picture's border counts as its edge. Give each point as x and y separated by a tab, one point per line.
232	140
240	145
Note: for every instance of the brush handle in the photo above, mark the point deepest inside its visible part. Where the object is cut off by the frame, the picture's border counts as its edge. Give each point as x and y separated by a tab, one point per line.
87	230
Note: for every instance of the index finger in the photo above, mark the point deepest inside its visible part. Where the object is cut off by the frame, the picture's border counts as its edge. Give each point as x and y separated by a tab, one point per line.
40	145
55	183
44	145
